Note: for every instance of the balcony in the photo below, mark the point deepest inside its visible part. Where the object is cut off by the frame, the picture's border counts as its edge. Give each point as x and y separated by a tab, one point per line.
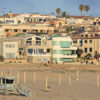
71	48
65	56
39	55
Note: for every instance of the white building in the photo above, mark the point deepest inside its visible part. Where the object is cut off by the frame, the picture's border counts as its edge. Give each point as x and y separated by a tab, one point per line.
63	49
9	50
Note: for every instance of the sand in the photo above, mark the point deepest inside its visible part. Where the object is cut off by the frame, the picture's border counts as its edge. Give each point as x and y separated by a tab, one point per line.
85	88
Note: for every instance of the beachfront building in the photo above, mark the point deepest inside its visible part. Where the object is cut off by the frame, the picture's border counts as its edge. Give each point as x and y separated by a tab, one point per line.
63	49
9	49
88	42
38	49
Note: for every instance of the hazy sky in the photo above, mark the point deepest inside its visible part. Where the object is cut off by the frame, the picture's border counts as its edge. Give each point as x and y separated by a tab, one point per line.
48	6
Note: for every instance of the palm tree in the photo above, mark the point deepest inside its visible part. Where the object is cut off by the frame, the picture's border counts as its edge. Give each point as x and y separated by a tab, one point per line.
64	14
58	11
87	8
81	7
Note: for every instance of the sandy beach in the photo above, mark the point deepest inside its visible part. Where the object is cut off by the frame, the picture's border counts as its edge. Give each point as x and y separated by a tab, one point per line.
62	87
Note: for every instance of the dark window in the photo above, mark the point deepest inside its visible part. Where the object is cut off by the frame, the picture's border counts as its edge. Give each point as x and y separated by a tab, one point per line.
20	48
98	23
7	81
38	38
85	41
74	41
90	50
6	30
15	30
91	35
90	41
85	49
41	51
29	42
38	42
48	50
29	39
24	30
30	51
94	23
86	35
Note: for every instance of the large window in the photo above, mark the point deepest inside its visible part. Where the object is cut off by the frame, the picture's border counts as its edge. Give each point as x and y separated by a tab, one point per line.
10	45
75	41
10	55
67	52
65	44
57	51
30	51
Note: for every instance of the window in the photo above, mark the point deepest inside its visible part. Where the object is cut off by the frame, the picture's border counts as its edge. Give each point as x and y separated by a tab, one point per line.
60	23
86	35
98	23
90	41
15	30
94	23
38	38
29	42
85	41
41	51
29	39
48	50
90	49
24	30
6	30
20	48
91	35
74	41
30	51
85	49
10	45
38	42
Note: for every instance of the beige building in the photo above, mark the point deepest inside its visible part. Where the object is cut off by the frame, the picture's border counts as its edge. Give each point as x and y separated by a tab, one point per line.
89	43
25	28
39	49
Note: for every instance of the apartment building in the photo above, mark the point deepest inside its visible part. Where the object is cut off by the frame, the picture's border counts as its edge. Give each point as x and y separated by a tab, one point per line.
9	49
88	42
38	49
63	49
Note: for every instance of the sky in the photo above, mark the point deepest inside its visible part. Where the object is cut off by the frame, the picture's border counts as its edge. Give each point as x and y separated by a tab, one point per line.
49	6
